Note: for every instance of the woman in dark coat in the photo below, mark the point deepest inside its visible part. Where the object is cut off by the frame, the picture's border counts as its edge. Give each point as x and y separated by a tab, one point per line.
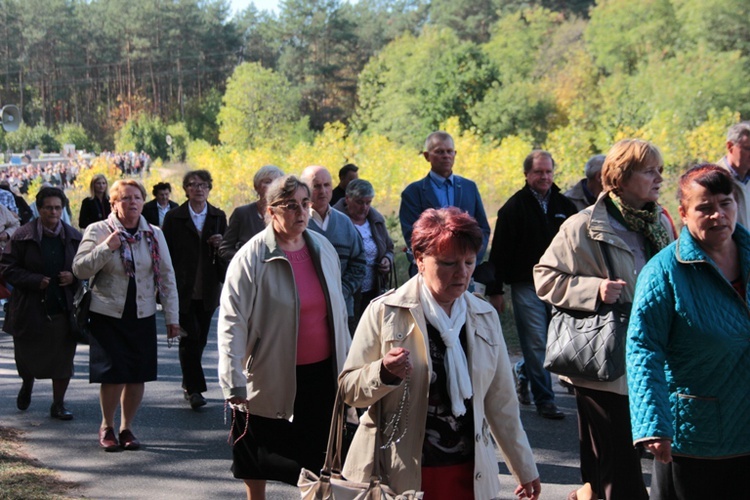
38	265
378	244
96	207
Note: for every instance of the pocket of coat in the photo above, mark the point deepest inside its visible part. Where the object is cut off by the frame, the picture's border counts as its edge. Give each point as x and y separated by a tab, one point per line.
697	420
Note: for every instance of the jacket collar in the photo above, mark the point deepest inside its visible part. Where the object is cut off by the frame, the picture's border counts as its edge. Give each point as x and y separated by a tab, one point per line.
688	251
430	193
273	251
30	231
183	212
373	216
407	297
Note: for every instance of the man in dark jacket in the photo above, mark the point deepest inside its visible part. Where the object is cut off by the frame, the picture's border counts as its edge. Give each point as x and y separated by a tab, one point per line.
525	227
155	210
194	232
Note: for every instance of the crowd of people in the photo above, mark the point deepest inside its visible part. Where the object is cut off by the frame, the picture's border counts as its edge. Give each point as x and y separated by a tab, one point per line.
308	306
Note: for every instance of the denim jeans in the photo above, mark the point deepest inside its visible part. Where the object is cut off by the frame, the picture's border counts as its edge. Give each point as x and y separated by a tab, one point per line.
532	319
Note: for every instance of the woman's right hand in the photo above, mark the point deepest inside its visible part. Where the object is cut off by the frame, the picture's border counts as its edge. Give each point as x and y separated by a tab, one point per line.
610	291
396	362
113	241
661	449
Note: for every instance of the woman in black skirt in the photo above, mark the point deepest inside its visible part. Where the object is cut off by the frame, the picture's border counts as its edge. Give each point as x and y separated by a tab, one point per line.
126	261
283	338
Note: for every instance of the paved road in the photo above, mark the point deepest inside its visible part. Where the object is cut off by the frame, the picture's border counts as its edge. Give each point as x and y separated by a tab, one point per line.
185	453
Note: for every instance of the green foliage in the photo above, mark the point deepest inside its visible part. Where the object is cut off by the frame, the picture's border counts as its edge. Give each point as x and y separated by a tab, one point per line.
26	138
74	133
260	106
622	32
721	24
143	133
416	83
180	139
470	19
201	116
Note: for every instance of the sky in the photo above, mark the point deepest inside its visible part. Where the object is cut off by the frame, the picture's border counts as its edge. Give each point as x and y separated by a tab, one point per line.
240	5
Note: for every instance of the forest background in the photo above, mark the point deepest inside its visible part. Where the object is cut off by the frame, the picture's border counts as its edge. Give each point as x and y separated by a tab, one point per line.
329	82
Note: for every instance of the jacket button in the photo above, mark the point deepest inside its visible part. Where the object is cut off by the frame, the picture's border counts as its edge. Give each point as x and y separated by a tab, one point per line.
478	438
399	336
479	476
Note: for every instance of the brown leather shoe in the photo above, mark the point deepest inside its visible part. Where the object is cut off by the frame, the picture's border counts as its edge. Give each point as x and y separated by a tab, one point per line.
107	439
128	441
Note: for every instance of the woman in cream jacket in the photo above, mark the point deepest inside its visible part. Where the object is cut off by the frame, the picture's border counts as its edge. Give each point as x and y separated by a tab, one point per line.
432	357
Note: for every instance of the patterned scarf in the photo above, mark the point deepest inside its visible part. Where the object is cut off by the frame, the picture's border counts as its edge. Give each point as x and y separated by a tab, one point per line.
126	252
645	221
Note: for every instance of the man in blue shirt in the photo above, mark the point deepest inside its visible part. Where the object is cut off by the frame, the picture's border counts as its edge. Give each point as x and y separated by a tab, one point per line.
441	188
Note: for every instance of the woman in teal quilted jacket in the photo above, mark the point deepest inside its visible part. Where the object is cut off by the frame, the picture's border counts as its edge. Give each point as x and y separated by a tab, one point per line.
688	351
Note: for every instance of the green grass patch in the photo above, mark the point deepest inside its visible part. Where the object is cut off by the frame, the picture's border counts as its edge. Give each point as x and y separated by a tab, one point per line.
23	477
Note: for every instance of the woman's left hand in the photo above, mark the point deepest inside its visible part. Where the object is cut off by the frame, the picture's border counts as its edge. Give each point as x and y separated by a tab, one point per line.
385	265
529	490
65	278
173	331
215	240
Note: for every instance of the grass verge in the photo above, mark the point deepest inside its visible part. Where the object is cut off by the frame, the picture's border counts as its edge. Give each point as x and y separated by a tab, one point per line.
23	477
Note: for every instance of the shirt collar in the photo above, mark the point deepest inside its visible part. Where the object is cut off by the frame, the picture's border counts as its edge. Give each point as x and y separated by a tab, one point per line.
440	180
202	213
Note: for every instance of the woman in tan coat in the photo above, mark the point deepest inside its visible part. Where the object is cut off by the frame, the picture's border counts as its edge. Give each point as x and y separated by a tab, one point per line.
431	357
631	227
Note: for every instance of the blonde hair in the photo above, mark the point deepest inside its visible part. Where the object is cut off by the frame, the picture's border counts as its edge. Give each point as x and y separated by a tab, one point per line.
119	186
626	157
94	180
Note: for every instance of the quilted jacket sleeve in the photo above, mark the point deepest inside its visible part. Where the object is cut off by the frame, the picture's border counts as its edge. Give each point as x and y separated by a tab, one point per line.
648	336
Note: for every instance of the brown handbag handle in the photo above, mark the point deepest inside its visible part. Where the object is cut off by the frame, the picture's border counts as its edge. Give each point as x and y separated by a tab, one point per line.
332	463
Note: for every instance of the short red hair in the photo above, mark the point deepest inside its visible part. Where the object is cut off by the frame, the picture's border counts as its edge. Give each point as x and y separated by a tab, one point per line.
445	230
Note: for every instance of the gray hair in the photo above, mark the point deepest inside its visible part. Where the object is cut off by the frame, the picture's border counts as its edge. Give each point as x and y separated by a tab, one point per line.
438	136
284	188
737	131
593	166
360	188
267	172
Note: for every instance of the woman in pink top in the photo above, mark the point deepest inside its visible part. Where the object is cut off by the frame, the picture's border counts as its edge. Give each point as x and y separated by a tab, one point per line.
283	339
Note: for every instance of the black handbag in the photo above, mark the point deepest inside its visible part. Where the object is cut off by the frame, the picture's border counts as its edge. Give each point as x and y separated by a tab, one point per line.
589	345
80	318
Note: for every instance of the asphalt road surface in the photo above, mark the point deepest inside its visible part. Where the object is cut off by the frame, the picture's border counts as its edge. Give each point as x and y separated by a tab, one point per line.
185	454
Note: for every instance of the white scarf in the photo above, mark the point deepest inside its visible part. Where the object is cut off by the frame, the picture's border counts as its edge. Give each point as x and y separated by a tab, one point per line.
456	366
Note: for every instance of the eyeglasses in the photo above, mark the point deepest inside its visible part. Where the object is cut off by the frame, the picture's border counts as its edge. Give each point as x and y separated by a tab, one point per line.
198	185
293	206
48	208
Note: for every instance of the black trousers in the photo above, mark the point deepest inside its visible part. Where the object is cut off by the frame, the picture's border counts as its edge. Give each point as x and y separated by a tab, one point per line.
196	323
699	478
609	461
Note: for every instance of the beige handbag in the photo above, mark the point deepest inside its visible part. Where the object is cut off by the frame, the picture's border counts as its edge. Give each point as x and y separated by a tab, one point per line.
331	485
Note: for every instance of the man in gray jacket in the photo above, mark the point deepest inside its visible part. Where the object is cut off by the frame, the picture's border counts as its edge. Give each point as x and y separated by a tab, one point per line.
737	162
340	231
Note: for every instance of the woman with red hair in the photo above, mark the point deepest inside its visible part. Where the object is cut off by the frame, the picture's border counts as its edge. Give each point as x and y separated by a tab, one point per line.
430	359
